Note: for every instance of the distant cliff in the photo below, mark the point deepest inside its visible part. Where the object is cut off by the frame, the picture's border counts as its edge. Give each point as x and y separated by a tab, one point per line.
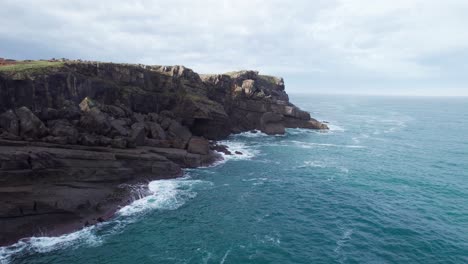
73	135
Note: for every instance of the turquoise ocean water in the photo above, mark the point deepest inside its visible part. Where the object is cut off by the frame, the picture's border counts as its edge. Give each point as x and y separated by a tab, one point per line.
387	184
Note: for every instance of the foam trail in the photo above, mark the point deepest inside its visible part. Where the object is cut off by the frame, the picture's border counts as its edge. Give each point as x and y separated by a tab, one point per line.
225	256
162	195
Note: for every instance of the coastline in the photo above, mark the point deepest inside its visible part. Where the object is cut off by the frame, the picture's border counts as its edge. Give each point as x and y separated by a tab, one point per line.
75	135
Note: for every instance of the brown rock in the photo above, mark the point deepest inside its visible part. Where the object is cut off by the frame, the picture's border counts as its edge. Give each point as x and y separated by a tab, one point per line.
198	145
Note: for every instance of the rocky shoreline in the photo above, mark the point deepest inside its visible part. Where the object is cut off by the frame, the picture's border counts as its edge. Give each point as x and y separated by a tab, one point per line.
74	137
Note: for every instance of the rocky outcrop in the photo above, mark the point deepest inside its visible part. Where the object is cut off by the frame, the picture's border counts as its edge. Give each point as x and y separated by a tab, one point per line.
73	138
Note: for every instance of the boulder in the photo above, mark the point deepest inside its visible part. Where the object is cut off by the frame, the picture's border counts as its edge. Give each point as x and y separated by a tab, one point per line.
153	117
179	135
88	140
30	125
114	111
87	104
119	142
221	148
95	121
155	131
63	128
69	111
9	122
138	134
198	145
47	114
120	127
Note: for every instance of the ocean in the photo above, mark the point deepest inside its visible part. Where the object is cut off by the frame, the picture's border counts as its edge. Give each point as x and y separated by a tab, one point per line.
387	184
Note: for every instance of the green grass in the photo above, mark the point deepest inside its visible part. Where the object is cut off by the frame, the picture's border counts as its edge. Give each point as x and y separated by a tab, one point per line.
30	66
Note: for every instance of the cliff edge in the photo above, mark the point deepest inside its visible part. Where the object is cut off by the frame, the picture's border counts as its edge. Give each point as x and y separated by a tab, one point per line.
76	136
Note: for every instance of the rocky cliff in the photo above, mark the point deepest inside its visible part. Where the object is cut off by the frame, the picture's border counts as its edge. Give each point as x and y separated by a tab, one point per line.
74	137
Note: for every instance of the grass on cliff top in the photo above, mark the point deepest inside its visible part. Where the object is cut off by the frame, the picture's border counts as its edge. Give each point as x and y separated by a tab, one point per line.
30	66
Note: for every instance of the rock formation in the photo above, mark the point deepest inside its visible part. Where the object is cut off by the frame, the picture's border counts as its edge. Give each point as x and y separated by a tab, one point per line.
74	137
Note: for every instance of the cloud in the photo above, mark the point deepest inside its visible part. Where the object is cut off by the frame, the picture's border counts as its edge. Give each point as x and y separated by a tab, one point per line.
356	41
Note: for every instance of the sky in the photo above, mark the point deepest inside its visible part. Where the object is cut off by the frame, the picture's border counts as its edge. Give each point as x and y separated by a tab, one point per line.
398	47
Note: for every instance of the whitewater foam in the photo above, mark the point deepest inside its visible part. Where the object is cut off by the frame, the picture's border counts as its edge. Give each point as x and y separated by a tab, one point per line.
247	152
158	195
164	195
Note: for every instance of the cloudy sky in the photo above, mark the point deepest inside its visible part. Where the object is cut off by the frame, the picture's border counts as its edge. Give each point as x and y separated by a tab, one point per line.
408	47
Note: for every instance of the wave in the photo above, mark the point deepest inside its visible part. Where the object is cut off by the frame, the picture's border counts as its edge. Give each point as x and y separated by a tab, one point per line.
86	236
162	195
251	134
246	152
334	127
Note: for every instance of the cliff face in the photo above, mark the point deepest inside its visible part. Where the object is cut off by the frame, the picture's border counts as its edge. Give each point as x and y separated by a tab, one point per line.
212	106
73	137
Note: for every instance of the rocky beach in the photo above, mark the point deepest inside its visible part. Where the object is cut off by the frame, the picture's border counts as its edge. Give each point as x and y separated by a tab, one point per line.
76	137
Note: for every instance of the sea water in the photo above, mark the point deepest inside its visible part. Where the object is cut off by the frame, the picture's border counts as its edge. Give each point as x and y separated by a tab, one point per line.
387	184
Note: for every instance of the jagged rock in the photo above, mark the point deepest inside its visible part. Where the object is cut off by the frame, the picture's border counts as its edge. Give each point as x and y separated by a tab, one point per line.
153	117
95	121
271	123
9	122
114	111
105	141
156	131
165	122
47	114
180	135
87	104
69	111
138	117
138	134
88	140
221	148
63	128
198	145
119	142
120	127
30	125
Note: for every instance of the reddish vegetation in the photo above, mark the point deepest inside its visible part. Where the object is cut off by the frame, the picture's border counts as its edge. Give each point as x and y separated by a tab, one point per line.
6	62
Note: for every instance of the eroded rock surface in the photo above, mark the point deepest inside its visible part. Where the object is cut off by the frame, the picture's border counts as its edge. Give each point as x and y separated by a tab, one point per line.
73	137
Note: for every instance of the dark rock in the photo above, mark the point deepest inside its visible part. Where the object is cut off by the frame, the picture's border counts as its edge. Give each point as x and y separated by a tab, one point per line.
153	117
271	123
120	127
157	143
88	140
95	121
69	111
63	128
221	148
9	121
119	142
156	131
198	145
138	134
238	152
30	125
56	140
179	135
